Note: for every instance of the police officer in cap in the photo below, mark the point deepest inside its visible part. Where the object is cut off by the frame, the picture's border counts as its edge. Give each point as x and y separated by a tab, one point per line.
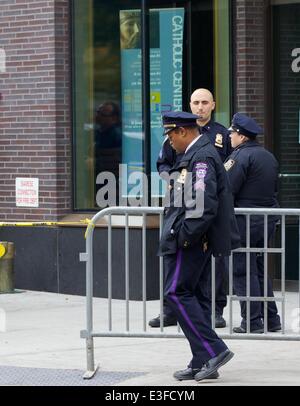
202	104
199	213
253	174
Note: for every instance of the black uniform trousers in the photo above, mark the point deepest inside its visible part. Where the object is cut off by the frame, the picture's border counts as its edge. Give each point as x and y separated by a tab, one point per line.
186	273
256	275
221	277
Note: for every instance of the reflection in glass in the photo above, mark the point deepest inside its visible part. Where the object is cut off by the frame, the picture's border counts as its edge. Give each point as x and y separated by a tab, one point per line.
107	85
108	138
130	29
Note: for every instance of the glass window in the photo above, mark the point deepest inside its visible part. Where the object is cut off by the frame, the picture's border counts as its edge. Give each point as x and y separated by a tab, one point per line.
188	48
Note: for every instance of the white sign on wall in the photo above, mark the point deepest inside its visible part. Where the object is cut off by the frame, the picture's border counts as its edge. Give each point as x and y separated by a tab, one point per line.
27	192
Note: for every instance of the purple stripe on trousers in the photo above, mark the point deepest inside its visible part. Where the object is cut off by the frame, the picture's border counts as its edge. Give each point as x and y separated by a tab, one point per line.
181	308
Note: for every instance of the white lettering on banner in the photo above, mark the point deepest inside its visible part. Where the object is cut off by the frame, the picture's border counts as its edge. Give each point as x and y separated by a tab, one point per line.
177	22
27	192
296	62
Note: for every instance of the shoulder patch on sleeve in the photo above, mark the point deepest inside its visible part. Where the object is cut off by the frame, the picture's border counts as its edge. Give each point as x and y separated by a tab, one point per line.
229	164
201	169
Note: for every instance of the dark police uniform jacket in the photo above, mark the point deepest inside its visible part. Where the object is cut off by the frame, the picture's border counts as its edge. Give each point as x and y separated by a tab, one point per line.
218	136
185	226
253	175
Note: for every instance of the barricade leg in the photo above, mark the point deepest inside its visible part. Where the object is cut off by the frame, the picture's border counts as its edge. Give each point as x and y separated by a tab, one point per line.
90	369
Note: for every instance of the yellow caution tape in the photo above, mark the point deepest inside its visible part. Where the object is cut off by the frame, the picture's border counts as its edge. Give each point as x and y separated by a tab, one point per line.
43	223
86	221
2	250
90	224
27	224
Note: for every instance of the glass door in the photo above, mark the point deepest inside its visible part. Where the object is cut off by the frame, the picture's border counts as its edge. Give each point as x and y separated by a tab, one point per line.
133	61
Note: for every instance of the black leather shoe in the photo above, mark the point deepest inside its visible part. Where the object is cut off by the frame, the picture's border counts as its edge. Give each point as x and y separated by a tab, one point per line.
220	322
241	329
213	365
274	328
189	374
168	321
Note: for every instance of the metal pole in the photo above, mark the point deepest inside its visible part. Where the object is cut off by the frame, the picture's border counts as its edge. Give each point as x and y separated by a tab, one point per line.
144	271
265	273
298	315
127	270
248	271
230	292
109	276
89	307
213	292
283	274
161	279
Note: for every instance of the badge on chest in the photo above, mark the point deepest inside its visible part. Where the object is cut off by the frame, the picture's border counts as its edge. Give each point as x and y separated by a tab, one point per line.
229	164
219	140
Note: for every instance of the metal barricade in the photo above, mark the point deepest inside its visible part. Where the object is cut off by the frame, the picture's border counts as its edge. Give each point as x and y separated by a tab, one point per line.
88	334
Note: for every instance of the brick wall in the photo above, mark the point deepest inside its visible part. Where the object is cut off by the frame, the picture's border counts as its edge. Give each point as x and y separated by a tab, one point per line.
35	129
249	52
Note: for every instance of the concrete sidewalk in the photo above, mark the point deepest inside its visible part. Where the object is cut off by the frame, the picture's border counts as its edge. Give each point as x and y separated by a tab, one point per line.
42	331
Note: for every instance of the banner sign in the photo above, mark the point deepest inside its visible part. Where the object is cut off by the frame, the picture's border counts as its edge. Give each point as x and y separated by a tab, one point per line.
166	59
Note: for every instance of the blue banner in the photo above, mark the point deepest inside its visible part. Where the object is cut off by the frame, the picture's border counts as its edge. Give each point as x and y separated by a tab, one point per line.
166	59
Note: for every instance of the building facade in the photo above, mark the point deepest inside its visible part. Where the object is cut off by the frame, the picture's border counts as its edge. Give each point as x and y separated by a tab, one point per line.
83	84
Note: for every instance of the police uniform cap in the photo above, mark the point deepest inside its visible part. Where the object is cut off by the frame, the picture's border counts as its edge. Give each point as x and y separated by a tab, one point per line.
177	119
245	125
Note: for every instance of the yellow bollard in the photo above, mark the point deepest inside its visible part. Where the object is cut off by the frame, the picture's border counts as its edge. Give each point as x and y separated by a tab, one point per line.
7	254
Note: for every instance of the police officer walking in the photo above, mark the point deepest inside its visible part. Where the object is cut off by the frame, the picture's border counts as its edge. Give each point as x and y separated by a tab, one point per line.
202	104
253	174
199	214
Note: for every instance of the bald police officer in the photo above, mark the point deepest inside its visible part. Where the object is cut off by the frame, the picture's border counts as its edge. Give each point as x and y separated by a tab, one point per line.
199	214
253	174
202	104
